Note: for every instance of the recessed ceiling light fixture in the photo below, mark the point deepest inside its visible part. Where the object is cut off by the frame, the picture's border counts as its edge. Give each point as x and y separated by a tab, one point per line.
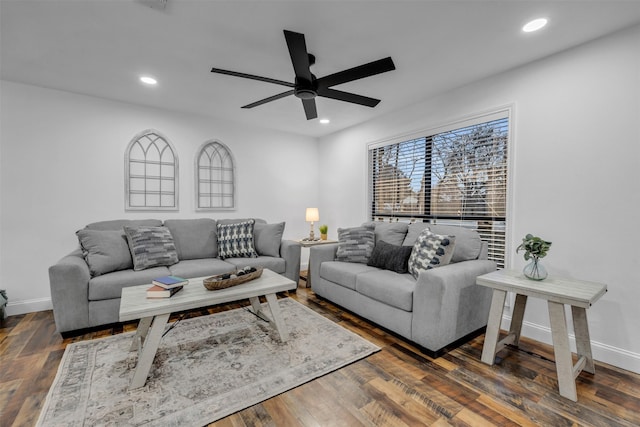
325	121
534	25
148	80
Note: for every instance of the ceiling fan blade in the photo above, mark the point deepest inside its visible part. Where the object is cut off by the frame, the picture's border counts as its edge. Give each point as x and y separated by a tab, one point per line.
269	99
355	73
310	108
299	55
252	77
348	97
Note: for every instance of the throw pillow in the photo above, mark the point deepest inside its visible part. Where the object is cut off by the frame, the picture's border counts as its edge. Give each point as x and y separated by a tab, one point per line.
151	246
104	250
430	251
355	244
390	257
236	240
267	238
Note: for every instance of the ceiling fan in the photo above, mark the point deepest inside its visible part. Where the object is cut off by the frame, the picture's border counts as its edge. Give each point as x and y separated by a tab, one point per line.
307	87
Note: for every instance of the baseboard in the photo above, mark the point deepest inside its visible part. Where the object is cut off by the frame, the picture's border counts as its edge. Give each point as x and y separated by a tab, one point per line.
28	306
605	353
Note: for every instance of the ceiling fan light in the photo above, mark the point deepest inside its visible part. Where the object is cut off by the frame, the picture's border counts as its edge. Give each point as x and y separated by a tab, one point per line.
325	121
534	25
148	80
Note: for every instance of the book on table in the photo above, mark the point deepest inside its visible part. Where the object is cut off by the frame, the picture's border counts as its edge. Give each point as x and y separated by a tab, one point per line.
156	291
169	282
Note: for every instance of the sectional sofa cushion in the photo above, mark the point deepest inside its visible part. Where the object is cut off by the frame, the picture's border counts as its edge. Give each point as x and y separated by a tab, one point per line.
390	257
110	286
194	238
235	240
390	232
267	238
105	250
429	251
151	247
355	244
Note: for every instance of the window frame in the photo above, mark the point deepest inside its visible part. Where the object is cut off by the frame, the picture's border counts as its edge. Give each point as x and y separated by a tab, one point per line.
504	112
197	179
127	174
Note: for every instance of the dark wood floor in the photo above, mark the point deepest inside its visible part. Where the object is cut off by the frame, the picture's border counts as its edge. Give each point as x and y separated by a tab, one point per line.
398	386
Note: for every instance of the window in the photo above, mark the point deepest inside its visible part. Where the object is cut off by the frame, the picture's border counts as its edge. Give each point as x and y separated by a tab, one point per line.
215	187
456	176
151	173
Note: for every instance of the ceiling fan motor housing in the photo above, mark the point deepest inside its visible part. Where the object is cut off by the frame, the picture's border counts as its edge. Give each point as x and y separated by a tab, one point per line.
305	89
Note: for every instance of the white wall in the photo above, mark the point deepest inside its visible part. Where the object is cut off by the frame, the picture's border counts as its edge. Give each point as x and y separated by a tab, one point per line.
63	167
576	156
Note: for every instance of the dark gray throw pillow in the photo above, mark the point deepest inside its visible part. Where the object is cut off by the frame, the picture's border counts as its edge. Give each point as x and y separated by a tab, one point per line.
355	244
390	257
151	247
267	238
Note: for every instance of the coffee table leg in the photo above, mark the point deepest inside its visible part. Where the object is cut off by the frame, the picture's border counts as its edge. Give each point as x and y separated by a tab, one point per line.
148	353
276	315
562	351
141	333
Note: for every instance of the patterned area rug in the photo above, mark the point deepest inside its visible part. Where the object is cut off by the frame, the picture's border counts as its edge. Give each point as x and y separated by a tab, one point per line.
206	368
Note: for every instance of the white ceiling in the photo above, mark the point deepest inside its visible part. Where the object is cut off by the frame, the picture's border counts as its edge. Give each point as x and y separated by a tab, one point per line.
100	47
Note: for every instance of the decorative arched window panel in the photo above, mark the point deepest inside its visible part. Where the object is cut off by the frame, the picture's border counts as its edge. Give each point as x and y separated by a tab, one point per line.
215	177
151	173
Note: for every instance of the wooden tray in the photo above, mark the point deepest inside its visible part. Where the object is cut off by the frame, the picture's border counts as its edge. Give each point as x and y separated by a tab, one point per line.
214	283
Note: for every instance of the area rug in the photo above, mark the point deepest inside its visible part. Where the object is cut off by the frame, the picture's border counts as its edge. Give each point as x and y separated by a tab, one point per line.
206	368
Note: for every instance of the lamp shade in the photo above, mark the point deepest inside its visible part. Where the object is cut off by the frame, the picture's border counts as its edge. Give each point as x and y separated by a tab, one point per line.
312	215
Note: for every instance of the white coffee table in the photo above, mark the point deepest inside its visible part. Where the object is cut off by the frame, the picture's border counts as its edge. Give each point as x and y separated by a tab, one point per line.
154	313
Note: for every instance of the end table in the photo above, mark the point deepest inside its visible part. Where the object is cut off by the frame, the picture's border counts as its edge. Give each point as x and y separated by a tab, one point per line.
305	243
579	294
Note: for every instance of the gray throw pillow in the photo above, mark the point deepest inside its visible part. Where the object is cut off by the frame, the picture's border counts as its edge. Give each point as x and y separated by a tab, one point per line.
355	244
267	238
105	250
390	257
430	251
151	247
236	240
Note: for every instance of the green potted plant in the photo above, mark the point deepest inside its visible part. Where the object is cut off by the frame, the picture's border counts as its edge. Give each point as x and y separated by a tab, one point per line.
534	248
323	231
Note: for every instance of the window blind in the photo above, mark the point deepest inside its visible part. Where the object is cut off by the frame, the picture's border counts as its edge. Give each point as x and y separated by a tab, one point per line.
455	177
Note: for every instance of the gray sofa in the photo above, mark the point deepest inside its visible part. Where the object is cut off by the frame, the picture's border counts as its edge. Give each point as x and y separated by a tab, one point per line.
441	309
86	284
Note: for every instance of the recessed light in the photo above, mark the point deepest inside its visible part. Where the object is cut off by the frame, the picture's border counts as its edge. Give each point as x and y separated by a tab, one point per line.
534	25
325	121
148	80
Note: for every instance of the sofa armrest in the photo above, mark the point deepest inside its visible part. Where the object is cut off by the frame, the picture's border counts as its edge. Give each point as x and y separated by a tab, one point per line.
318	255
447	303
69	284
290	251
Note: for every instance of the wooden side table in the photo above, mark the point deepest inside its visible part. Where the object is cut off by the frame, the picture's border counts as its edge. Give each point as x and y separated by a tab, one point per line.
308	244
579	294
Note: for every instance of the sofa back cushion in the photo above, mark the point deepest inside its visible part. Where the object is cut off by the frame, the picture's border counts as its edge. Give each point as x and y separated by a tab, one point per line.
468	243
194	238
117	224
391	232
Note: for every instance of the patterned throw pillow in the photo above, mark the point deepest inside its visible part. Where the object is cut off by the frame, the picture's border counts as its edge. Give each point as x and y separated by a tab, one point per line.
236	240
355	244
151	246
430	251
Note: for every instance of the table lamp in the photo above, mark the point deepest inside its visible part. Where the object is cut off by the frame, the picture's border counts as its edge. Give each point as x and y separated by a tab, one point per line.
311	216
